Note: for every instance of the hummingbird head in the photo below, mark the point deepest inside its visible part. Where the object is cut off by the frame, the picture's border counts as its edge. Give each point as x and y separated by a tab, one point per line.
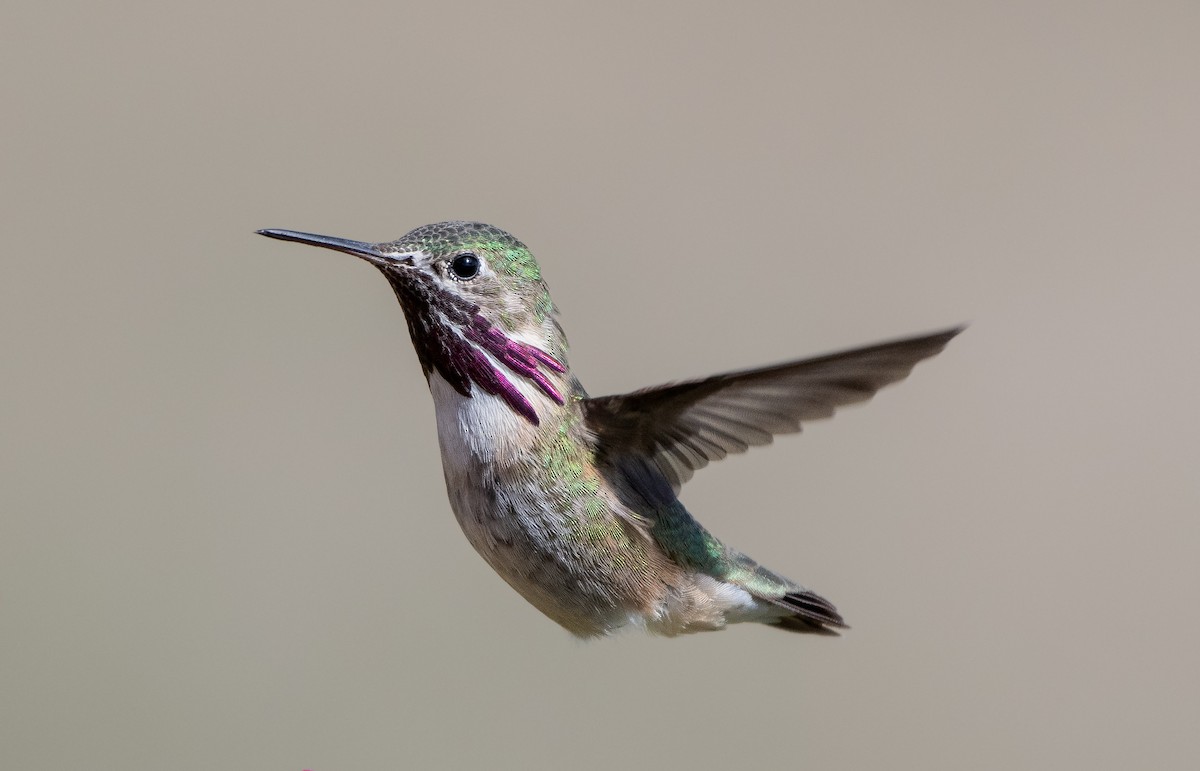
478	312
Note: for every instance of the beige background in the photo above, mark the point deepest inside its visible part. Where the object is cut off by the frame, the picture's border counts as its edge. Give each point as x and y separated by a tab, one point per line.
225	542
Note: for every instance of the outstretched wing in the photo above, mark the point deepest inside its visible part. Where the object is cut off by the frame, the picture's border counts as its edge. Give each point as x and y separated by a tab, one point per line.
683	426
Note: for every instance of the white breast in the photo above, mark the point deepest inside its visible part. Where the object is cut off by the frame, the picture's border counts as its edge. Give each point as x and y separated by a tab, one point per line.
481	428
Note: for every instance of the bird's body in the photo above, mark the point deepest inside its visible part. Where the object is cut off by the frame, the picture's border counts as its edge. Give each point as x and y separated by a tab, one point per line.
561	530
573	500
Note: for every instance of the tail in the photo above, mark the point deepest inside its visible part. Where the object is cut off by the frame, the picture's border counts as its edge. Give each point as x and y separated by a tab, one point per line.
802	610
809	612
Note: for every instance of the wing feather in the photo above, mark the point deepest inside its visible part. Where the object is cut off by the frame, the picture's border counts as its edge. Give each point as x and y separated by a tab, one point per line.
682	427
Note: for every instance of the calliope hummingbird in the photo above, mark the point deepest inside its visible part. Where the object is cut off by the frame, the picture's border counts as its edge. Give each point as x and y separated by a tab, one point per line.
573	499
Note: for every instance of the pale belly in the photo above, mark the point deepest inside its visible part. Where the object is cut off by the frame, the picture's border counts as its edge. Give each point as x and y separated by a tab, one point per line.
556	541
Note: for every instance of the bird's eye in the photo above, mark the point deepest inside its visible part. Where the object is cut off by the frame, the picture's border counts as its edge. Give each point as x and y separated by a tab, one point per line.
465	266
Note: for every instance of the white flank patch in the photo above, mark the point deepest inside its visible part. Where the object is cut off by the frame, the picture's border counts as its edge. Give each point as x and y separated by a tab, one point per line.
738	604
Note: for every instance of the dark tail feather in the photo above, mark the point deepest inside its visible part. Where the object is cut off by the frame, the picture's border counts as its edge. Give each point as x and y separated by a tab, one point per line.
812	614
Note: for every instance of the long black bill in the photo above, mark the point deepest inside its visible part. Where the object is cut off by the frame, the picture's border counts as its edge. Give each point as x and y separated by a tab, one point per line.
368	252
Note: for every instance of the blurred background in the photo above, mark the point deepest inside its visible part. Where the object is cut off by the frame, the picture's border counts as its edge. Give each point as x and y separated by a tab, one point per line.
224	537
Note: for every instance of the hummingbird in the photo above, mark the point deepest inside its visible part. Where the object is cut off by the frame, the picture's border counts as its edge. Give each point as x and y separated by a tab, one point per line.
574	500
